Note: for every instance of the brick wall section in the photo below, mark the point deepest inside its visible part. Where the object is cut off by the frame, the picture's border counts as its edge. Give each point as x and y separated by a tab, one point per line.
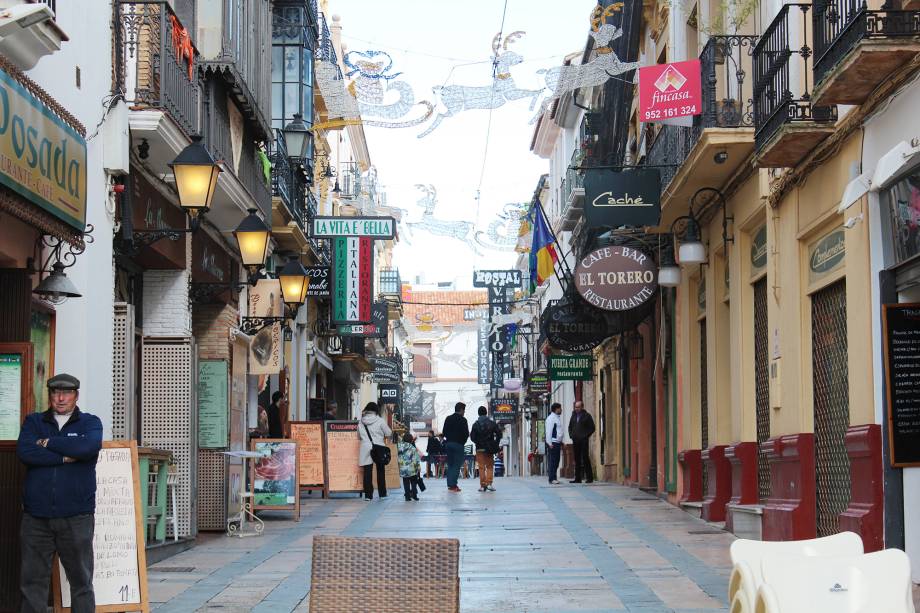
166	305
211	325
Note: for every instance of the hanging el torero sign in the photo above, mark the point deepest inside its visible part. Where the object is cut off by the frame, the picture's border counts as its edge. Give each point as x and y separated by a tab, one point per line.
616	278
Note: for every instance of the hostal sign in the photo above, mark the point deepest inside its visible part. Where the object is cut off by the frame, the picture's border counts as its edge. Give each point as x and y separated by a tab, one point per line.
616	278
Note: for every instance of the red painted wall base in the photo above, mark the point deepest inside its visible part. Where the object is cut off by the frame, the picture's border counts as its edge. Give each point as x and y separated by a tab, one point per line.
864	514
744	487
719	483
691	469
789	512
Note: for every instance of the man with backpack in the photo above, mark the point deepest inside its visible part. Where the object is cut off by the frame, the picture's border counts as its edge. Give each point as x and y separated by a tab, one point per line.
487	435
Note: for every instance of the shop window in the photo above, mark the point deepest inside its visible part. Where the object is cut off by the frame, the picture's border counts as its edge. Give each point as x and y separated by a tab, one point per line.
421	363
904	218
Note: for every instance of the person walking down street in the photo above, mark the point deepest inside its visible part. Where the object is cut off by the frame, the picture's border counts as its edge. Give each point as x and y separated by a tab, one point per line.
409	465
581	427
469	458
433	451
456	431
60	448
373	431
553	441
487	435
274	416
442	458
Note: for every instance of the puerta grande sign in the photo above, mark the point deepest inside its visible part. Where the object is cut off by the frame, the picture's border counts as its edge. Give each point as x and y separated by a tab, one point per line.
573	326
615	198
616	278
571	367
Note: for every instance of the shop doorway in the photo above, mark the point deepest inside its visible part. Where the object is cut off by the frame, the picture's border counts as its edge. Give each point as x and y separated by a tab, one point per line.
704	403
762	384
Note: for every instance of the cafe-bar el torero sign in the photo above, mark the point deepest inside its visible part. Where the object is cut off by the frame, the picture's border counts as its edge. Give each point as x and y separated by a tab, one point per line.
383	228
42	158
616	278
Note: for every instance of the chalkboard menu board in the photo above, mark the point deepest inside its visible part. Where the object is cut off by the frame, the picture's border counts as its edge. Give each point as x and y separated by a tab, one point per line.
901	325
309	439
213	404
343	450
120	568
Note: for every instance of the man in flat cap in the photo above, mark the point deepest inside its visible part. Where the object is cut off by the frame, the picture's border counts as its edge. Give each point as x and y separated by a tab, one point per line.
59	448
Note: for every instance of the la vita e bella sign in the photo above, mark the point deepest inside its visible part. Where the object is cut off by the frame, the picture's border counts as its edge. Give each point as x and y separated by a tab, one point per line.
42	158
365	227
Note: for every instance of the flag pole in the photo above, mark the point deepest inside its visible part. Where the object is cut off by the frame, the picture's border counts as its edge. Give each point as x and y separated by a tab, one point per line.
565	265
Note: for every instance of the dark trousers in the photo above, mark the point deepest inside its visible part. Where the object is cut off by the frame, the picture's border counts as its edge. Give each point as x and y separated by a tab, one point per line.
454	460
553	452
72	539
369	481
410	487
583	468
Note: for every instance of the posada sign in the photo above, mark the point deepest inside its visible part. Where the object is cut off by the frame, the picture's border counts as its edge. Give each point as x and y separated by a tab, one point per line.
616	278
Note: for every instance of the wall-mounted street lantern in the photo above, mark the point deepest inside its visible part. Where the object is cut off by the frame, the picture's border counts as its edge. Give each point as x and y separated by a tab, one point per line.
687	230
252	237
298	138
295	282
56	287
196	174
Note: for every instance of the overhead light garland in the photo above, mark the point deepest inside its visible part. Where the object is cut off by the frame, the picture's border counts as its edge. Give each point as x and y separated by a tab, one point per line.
503	233
373	84
461	230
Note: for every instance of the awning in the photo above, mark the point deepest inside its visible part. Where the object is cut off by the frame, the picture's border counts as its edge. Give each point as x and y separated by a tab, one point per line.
902	158
322	358
855	189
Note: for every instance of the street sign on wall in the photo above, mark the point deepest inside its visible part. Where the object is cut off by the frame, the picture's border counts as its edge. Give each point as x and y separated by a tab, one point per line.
615	198
353	280
382	228
668	92
571	367
616	278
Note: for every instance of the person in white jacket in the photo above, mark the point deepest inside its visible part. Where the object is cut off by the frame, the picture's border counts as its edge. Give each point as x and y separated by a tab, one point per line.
373	430
554	434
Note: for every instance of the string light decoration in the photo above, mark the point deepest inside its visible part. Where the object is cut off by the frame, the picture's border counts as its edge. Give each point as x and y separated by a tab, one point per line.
503	233
458	98
603	66
461	230
373	85
340	102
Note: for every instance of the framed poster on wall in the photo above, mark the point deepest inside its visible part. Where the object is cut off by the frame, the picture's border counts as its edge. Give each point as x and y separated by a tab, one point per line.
16	392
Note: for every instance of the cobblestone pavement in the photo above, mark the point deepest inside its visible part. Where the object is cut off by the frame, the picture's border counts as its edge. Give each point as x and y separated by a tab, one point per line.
527	547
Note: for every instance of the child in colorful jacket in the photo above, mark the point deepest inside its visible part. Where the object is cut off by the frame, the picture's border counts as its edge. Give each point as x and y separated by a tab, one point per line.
410	464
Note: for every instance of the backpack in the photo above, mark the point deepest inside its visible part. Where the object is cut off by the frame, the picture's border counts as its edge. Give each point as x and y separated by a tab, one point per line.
494	434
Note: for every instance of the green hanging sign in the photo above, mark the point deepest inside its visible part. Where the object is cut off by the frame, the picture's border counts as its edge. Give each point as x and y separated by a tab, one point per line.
571	367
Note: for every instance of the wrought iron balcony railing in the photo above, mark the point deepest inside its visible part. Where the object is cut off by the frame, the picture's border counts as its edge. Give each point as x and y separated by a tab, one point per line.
390	283
574	178
156	61
349	181
780	94
839	25
726	63
288	182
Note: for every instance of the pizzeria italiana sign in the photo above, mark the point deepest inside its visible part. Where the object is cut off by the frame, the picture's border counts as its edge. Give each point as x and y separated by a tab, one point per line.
616	278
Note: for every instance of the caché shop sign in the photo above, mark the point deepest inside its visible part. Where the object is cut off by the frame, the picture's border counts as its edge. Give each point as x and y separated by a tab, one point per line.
617	198
42	158
616	278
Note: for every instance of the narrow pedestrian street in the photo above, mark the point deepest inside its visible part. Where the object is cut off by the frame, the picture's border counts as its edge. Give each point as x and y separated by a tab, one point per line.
527	547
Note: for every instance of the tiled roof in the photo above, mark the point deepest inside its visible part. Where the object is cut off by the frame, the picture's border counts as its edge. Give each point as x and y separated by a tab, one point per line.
442	312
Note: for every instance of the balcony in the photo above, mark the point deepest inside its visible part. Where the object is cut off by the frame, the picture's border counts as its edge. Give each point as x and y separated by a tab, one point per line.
349	180
788	126
722	137
244	184
573	192
289	199
390	289
856	49
156	67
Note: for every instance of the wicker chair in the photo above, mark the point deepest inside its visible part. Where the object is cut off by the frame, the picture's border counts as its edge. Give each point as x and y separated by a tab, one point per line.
385	575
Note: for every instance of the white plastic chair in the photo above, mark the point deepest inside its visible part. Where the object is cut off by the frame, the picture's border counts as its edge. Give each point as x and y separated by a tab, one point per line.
746	556
172	482
876	582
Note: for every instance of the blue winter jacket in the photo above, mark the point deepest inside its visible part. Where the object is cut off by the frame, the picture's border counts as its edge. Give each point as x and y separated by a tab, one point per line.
54	488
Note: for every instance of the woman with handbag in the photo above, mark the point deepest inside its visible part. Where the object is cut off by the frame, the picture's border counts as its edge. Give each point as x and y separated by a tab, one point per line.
373	433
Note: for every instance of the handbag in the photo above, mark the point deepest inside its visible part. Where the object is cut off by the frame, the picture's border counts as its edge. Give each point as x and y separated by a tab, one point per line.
420	482
380	454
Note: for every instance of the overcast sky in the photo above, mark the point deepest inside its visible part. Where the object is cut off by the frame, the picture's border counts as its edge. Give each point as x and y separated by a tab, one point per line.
451	158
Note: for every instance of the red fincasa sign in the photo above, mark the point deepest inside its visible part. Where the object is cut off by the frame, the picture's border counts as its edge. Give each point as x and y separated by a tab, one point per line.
616	278
669	91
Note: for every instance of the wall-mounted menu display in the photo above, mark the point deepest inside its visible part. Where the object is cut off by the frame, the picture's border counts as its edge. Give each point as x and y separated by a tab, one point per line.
213	404
901	327
120	566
